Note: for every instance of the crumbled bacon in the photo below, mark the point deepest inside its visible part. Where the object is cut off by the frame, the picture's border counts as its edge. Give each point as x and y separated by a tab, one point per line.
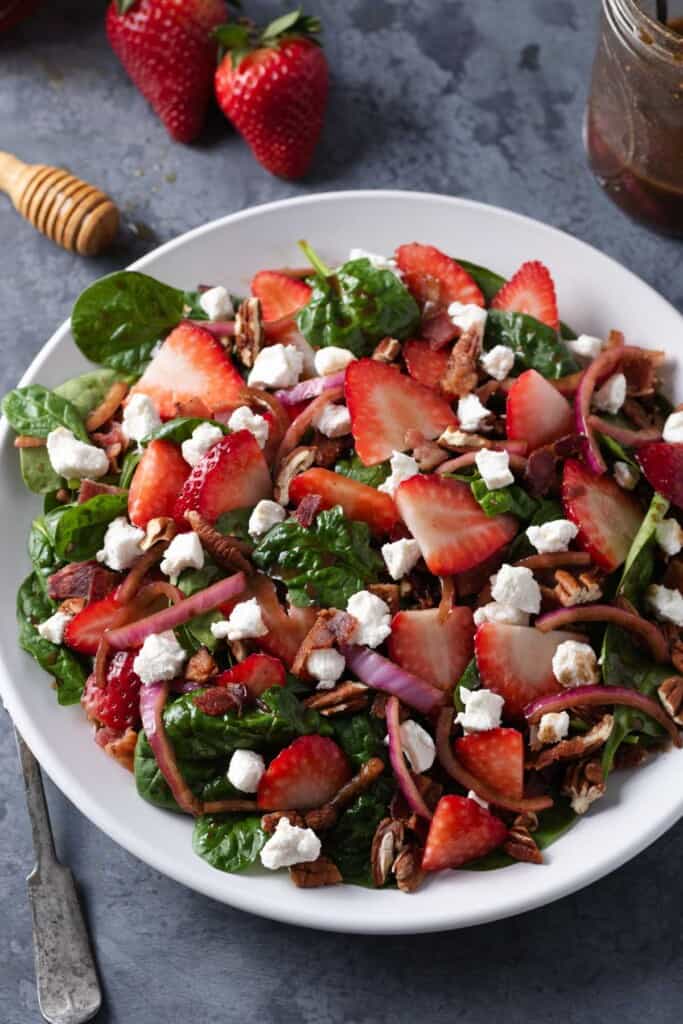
329	450
81	579
218	700
91	488
307	510
639	366
540	475
331	626
438	329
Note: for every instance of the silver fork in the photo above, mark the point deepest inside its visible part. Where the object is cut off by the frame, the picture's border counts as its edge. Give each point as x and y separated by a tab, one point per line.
66	977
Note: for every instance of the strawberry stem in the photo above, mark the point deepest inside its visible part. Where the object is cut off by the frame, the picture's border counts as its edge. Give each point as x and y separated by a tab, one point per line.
294	23
123	6
314	259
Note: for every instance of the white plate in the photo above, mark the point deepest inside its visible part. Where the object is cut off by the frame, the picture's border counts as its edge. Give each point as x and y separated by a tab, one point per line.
595	294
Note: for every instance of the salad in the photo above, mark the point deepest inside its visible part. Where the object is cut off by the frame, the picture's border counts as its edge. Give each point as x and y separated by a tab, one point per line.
374	572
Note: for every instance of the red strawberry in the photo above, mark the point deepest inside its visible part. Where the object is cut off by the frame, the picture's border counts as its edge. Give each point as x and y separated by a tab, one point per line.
432	276
495	757
191	375
461	830
281	298
425	364
159	477
453	532
258	672
305	774
608	518
85	630
437	652
384	404
536	412
117	704
166	46
516	663
274	90
286	629
662	464
232	474
359	501
531	291
14	11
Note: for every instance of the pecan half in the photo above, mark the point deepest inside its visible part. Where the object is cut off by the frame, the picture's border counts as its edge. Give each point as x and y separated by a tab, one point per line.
161	528
343	697
387	351
670	693
462	372
407	869
269	821
315	874
227	551
571	590
520	844
324	817
584	783
298	461
387	841
456	440
200	667
577	746
248	332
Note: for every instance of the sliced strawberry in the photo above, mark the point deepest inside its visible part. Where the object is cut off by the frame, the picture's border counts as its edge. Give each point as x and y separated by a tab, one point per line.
191	374
452	530
608	517
536	412
532	291
84	632
117	703
495	757
432	276
662	464
159	477
258	672
286	628
425	364
437	652
281	298
359	501
460	831
305	774
516	663
384	404
232	474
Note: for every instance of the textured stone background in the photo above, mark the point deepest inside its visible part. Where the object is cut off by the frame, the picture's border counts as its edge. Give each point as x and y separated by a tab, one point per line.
483	99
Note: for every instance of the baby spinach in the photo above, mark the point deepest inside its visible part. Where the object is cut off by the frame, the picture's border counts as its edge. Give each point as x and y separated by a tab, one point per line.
489	282
67	669
536	346
640	561
228	842
41	549
512	499
36	411
235	524
180	429
208	780
349	842
547	511
470	679
552	824
360	737
78	530
356	306
373	476
130	464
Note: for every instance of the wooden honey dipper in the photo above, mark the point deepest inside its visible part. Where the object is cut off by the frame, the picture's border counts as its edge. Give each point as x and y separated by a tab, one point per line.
72	213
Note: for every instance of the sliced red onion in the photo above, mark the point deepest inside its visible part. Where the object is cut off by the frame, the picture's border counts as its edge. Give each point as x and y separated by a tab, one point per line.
129	588
134	634
517	462
300	425
452	767
219	328
585	696
375	670
398	762
598	369
649	632
152	703
629	438
310	388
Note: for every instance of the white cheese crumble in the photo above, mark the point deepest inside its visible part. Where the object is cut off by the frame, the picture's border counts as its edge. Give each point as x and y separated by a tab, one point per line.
161	657
483	710
472	415
612	395
245	770
277	366
585	346
673	428
204	437
494	468
468	316
495	612
332	359
245	621
667	604
140	417
417	745
400	557
121	544
265	515
216	303
553	727
515	586
471	795
75	459
626	476
374	618
184	552
553	536
326	665
498	361
290	845
244	419
403	467
669	536
376	260
53	628
333	421
575	664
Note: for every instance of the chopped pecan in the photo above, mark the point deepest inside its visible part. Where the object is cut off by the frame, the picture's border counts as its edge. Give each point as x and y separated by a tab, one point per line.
673	577
520	844
331	626
670	693
429	455
162	528
120	746
630	755
238	650
388	592
425	590
298	461
72	605
218	700
269	821
200	667
578	746
324	817
378	709
307	509
248	332
387	841
407	869
455	440
462	370
387	351
571	590
316	873
584	783
227	551
637	414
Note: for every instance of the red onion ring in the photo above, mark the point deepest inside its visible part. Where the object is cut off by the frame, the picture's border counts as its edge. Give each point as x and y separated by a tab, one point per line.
152	703
403	775
629	438
607	613
599	368
310	388
376	671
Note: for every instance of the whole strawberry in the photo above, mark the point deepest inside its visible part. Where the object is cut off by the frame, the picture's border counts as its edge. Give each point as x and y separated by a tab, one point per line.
273	87
167	48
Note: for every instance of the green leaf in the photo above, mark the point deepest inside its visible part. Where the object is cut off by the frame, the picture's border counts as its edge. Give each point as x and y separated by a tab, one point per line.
180	429
67	669
208	780
234	39
130	464
119	319
617	450
536	346
323	564
36	411
360	736
228	842
349	842
489	282
552	824
470	679
235	524
640	561
41	550
356	307
548	510
373	476
78	530
512	499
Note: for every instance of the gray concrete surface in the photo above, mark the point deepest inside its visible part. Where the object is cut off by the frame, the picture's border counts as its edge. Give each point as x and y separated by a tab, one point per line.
483	99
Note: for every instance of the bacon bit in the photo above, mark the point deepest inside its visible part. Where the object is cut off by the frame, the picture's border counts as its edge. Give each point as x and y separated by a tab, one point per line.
218	700
540	475
300	425
314	874
107	407
447	597
329	450
229	552
387	351
307	509
577	746
517	462
82	579
24	441
461	374
90	488
331	626
201	667
120	746
438	330
639	366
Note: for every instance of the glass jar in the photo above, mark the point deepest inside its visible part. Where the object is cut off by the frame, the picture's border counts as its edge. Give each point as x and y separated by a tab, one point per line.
634	120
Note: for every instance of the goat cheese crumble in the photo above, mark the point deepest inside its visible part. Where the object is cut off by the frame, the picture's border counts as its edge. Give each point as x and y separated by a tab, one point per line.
498	361
374	618
244	419
556	535
184	552
245	770
265	515
75	459
245	621
288	845
121	544
403	467
483	710
160	658
575	664
216	303
332	359
53	628
277	366
472	415
400	557
494	468
516	587
203	438
140	417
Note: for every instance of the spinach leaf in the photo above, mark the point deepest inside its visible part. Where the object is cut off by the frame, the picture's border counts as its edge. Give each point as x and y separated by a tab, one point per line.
617	451
78	530
489	282
180	429
228	842
349	842
197	632
640	561
356	306
208	780
41	550
547	511
119	319
552	824
323	564
36	411
470	679
235	524
373	476
360	737
33	607
130	464
536	346
512	499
